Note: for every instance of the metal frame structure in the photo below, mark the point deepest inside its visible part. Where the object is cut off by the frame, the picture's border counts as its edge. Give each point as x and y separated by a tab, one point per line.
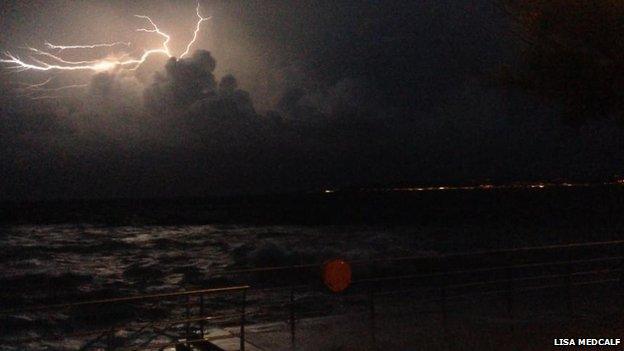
281	293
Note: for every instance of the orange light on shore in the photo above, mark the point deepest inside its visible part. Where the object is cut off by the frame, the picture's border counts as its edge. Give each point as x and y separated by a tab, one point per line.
337	275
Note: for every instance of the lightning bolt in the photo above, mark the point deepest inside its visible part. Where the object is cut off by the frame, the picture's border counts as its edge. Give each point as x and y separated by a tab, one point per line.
39	91
67	87
20	65
165	45
35	85
59	59
92	46
147	53
55	62
197	28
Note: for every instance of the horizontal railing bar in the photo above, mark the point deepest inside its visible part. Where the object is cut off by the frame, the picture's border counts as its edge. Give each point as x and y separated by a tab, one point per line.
534	288
261	313
500	251
492	292
128	299
548	276
498	281
421	257
163	325
449	273
160	345
281	288
501	291
457	272
160	324
489	269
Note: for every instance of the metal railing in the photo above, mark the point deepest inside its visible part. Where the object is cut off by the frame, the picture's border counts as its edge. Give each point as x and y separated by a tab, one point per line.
137	327
290	293
443	279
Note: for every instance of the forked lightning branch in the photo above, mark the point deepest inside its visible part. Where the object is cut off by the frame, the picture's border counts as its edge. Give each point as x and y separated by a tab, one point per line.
51	58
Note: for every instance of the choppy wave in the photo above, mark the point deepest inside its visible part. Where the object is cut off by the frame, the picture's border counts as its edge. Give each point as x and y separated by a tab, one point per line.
85	260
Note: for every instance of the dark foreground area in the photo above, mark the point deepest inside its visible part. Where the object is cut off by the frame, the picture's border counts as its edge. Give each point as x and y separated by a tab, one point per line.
407	249
513	299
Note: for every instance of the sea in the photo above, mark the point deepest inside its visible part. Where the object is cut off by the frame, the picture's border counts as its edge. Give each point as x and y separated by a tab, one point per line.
66	251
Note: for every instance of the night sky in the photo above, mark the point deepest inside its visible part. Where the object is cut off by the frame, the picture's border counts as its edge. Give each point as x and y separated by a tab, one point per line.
281	96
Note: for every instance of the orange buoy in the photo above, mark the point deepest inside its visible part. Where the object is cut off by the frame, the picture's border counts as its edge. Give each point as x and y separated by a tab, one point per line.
337	275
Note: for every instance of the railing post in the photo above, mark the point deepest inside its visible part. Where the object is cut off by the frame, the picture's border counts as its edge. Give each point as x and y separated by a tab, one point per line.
188	316
242	324
621	279
569	296
202	315
568	285
292	318
510	304
510	296
372	316
109	340
444	311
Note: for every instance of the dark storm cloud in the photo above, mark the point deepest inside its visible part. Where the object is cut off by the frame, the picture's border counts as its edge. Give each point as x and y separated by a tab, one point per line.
183	82
339	94
190	84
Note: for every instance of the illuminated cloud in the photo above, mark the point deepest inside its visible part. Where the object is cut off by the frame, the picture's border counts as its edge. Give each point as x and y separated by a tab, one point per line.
55	62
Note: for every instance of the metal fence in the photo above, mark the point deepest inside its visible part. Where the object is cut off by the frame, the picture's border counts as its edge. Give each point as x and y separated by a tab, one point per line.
290	293
183	323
